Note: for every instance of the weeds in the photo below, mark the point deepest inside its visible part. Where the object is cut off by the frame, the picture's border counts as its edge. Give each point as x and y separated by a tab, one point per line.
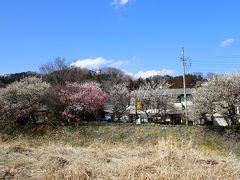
117	152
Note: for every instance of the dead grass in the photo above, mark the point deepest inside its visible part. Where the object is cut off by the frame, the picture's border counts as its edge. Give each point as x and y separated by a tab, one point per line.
115	153
165	159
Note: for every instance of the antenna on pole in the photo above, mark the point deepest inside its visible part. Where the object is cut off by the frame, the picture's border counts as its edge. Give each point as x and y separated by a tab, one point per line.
184	87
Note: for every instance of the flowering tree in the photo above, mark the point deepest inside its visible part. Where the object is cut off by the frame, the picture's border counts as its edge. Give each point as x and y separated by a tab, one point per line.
120	97
153	96
21	99
221	94
82	99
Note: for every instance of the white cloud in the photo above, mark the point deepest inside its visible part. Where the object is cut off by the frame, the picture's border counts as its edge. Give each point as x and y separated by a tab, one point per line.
128	73
118	3
227	42
98	63
146	74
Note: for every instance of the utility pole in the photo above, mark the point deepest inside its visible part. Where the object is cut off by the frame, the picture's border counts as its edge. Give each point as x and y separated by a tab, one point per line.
184	87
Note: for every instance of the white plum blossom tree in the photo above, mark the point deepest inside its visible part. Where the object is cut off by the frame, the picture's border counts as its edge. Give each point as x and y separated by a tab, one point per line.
221	94
154	96
120	97
21	99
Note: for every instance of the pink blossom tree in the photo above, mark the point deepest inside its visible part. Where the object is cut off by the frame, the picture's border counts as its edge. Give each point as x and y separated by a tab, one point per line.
82	99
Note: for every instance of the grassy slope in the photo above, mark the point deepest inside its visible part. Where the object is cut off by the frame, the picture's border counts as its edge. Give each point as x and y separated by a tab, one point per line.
120	152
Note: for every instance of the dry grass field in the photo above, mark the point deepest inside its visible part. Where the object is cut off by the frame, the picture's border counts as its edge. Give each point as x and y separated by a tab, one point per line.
117	152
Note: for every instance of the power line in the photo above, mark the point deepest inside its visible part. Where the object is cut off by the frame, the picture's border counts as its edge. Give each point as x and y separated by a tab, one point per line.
220	57
217	63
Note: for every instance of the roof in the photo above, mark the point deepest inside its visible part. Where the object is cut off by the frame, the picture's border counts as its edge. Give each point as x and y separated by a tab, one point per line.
108	107
179	91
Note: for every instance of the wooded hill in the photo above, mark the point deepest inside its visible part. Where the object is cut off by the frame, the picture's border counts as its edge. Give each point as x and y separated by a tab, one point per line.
106	77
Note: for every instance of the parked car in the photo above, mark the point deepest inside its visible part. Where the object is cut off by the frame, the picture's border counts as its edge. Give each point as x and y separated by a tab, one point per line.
106	119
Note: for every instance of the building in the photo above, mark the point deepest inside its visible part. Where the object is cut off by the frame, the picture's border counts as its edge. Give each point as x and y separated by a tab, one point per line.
175	114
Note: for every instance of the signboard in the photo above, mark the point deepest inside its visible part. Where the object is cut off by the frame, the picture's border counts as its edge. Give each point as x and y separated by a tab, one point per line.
138	105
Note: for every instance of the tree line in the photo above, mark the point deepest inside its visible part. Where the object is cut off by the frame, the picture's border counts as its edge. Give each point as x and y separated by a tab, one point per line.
76	94
57	72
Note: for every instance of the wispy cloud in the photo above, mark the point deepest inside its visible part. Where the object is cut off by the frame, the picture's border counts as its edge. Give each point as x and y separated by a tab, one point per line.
134	57
98	63
227	42
119	3
147	74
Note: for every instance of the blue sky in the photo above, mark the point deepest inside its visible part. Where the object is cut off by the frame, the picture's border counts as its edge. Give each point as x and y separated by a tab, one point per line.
142	37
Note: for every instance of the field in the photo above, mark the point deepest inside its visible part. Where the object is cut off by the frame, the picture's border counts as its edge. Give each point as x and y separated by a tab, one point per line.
103	151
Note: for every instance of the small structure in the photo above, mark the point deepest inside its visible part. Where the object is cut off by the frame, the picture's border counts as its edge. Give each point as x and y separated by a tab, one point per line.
40	114
218	120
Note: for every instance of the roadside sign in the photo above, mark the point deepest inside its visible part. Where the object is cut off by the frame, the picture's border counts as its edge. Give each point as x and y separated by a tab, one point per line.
138	105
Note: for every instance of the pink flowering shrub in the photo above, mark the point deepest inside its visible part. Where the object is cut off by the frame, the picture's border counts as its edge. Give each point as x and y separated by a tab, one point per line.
82	99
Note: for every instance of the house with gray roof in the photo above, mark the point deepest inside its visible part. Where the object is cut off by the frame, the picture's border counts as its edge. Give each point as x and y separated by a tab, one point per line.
175	114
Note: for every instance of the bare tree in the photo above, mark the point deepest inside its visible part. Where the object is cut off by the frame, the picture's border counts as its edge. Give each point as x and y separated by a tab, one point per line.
57	65
55	72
